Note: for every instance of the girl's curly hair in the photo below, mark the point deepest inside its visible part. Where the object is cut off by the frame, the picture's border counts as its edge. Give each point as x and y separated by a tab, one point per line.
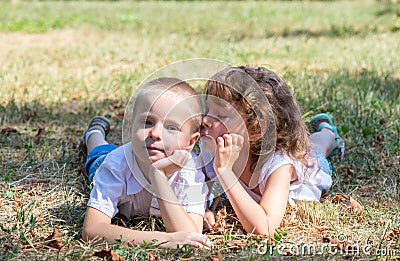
278	126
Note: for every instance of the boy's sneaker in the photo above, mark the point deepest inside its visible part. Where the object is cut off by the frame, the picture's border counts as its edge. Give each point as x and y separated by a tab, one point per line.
99	123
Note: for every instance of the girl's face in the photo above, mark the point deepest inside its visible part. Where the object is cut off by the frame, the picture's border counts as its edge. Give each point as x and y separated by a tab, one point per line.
222	118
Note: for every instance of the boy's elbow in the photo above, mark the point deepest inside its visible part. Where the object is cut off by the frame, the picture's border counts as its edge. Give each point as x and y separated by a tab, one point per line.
88	233
85	235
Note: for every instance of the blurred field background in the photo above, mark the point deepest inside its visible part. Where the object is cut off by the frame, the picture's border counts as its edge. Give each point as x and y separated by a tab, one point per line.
64	62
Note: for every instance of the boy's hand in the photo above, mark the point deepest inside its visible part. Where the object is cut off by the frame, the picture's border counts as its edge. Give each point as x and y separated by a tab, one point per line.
209	219
173	163
178	239
227	152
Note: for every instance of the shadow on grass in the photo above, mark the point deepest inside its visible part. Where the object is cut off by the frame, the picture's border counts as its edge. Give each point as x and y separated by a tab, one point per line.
41	143
331	32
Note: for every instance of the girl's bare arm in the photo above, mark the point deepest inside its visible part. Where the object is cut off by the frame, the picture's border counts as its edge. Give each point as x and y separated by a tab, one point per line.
258	218
263	217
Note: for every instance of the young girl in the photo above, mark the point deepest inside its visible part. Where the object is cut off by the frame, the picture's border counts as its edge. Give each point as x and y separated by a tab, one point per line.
253	133
154	174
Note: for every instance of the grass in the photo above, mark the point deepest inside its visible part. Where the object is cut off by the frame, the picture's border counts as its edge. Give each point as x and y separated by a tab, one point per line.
64	62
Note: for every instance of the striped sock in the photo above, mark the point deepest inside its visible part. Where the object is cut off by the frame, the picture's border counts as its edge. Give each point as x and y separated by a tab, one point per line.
87	135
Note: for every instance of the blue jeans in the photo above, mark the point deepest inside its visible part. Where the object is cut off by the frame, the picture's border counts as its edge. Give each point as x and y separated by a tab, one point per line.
323	163
95	157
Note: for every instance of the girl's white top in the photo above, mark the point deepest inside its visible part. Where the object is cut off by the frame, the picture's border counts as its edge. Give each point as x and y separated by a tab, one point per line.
309	186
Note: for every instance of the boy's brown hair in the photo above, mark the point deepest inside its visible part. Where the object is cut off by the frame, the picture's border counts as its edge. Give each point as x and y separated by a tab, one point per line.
179	88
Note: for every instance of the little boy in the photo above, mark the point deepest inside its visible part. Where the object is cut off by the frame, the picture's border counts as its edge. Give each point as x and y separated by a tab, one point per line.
154	174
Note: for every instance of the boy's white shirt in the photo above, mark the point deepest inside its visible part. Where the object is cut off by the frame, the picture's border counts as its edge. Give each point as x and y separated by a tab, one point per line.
120	186
309	186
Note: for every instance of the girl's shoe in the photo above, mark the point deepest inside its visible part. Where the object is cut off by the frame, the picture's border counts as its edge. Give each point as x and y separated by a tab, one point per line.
339	143
97	123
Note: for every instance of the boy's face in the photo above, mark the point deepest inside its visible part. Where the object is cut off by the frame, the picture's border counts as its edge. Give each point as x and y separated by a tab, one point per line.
162	124
222	118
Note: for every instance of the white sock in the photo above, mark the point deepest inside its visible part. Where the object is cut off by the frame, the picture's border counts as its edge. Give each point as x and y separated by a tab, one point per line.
87	135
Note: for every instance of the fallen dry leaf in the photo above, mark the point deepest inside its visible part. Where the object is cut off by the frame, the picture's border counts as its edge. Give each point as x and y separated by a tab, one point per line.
217	257
236	244
17	202
108	253
394	234
355	206
54	239
6	247
220	222
366	188
39	135
102	253
8	130
152	257
29	113
217	240
389	164
340	198
350	171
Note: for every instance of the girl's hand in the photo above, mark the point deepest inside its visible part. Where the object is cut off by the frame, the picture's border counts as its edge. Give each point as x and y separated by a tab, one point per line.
177	239
171	164
228	150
